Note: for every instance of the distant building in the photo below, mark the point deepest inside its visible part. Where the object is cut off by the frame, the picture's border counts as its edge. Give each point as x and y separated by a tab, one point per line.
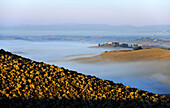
155	40
140	45
110	43
113	43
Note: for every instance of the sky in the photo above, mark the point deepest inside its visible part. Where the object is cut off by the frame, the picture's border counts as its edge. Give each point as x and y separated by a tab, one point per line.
111	12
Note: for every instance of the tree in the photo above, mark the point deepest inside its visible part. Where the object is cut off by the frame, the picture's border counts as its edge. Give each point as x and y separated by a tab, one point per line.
137	48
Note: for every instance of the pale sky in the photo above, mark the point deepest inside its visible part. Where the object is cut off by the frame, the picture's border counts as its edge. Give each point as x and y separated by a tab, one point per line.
112	12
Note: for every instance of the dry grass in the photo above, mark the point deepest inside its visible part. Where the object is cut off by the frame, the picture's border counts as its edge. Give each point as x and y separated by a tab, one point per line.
131	55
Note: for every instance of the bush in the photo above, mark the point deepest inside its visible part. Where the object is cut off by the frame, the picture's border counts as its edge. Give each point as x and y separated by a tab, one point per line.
137	48
165	48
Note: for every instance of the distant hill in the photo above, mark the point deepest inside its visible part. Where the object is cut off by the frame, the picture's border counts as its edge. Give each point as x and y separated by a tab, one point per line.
90	27
86	30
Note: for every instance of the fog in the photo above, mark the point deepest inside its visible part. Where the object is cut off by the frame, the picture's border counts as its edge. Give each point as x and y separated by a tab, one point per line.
150	76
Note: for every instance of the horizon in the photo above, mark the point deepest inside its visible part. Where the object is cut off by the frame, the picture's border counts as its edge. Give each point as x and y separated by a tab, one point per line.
110	12
73	24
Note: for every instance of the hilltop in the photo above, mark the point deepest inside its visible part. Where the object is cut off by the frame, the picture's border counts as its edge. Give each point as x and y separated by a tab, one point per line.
27	83
154	54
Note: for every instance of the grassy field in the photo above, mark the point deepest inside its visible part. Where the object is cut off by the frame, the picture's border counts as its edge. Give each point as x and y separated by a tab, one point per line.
155	54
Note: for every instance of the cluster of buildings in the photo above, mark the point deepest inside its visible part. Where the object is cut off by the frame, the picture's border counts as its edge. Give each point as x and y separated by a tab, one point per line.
124	45
114	44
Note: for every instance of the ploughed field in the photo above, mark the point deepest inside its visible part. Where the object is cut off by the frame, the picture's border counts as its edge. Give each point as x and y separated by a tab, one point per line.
27	83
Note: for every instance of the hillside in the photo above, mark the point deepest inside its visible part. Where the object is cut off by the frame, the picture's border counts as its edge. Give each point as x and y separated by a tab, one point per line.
154	54
27	83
